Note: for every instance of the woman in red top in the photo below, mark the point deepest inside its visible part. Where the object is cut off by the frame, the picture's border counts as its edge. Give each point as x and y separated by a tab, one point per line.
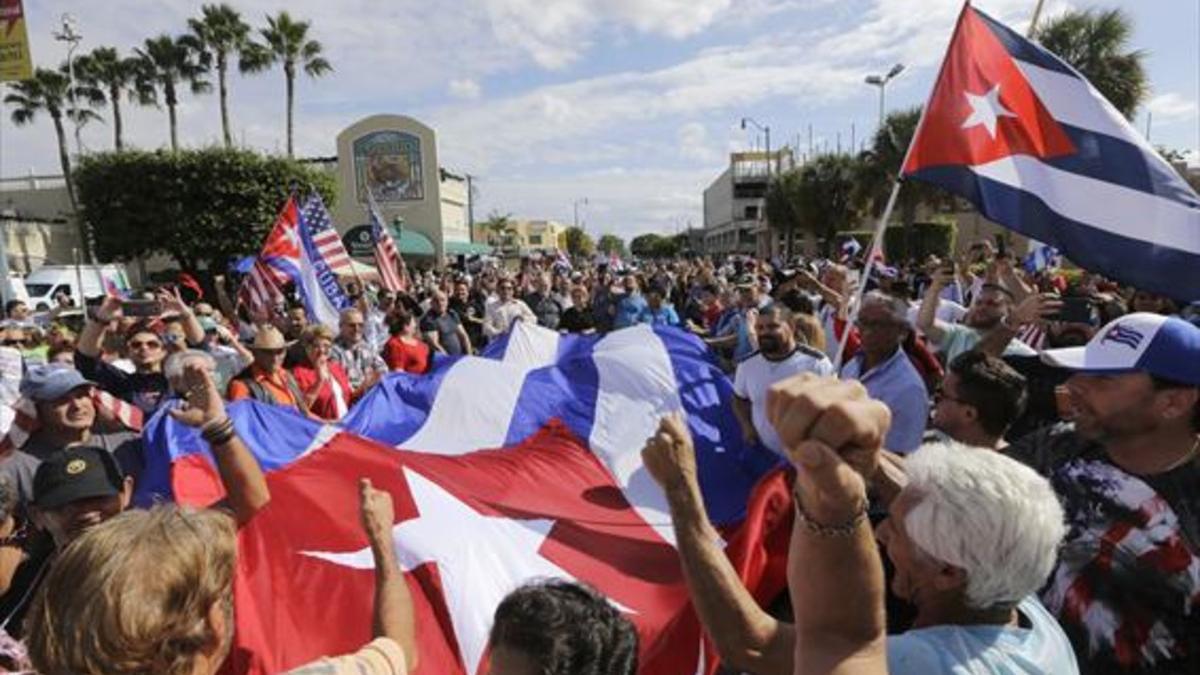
405	350
322	380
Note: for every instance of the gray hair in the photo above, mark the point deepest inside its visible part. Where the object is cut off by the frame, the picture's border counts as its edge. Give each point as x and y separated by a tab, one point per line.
989	515
173	366
896	307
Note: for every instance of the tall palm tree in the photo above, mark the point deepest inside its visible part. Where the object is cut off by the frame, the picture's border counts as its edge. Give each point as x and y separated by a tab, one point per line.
105	70
218	34
287	43
166	63
1096	44
49	92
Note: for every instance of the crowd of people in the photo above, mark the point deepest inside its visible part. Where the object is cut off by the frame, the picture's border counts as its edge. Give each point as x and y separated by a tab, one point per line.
995	470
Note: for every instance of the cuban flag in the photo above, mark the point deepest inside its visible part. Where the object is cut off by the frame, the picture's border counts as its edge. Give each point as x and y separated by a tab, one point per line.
520	463
1035	147
850	248
1041	258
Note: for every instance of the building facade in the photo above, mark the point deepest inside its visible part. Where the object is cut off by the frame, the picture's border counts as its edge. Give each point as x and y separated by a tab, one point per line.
523	236
735	205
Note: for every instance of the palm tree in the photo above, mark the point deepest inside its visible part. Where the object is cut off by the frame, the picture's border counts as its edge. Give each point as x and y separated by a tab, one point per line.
287	43
1095	43
106	71
499	227
881	164
165	63
49	92
219	34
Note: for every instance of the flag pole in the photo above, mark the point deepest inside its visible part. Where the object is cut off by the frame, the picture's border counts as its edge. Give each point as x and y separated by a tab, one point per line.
877	238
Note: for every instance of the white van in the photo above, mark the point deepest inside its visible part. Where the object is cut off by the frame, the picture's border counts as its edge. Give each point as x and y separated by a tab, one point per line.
46	282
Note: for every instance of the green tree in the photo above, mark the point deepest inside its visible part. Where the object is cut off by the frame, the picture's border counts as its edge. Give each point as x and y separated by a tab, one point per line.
201	207
218	34
653	246
879	167
578	243
499	228
167	63
782	206
287	43
108	72
1096	44
48	92
611	243
827	198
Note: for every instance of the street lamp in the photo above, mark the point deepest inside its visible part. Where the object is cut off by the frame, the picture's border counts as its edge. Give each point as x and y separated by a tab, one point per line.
575	206
72	37
881	81
766	132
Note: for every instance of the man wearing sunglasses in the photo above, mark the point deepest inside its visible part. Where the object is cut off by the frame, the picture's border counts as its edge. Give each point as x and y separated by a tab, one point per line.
146	387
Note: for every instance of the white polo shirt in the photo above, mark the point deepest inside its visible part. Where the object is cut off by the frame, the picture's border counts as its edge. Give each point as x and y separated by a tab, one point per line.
755	375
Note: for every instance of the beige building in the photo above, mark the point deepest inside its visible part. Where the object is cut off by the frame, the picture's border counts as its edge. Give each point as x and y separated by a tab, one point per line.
395	158
735	204
34	221
523	235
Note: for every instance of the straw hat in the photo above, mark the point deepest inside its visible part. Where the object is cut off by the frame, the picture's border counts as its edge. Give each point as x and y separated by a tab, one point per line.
269	339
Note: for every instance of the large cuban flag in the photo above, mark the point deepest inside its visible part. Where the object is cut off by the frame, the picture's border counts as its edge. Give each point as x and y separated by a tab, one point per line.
1035	147
521	463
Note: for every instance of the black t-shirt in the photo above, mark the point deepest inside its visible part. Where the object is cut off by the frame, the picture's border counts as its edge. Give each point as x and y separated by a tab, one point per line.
145	390
576	320
1126	589
446	326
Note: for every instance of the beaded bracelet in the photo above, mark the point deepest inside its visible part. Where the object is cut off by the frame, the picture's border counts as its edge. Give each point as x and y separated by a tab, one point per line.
846	529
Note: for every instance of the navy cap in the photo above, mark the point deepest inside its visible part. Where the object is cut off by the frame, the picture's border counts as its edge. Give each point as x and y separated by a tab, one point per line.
52	381
74	474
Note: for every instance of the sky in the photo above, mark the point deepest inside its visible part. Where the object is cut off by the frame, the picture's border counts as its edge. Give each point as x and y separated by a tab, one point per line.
631	105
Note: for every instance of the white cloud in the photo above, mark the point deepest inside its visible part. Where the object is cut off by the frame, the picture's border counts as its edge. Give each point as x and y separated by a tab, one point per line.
1173	107
465	88
695	145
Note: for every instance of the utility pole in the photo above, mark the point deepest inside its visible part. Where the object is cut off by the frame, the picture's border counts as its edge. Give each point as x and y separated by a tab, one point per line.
470	208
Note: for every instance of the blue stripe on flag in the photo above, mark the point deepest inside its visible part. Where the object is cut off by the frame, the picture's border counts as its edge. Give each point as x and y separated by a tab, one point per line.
398	406
566	391
728	469
1118	161
1021	48
1160	269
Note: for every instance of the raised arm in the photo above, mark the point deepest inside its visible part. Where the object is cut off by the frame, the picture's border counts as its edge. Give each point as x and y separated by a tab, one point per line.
244	482
746	637
834	572
927	317
393	616
95	328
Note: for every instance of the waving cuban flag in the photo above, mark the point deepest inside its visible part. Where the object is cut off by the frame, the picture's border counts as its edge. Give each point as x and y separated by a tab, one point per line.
1025	137
521	463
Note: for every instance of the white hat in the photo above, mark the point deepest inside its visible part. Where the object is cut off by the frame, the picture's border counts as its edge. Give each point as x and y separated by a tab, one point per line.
1162	346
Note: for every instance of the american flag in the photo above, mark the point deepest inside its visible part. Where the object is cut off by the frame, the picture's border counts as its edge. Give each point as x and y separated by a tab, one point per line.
329	243
387	256
261	289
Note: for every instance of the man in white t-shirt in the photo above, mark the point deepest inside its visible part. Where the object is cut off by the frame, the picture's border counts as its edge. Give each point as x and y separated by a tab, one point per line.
779	357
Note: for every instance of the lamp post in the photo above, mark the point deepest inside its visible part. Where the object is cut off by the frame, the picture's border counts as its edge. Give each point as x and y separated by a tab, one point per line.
575	207
72	37
881	81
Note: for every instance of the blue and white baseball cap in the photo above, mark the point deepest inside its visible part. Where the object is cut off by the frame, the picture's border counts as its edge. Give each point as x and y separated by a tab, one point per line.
1164	346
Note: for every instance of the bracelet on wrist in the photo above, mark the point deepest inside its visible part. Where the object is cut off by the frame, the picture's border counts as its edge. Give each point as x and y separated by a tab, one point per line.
838	530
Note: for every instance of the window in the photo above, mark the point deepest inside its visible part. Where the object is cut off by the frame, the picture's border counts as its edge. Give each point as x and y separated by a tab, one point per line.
535	240
751	213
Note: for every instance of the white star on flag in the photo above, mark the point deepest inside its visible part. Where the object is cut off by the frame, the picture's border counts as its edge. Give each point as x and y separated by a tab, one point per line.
480	558
986	110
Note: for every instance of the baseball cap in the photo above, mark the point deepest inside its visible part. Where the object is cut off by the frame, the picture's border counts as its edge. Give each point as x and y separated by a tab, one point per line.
207	324
1164	346
52	381
75	474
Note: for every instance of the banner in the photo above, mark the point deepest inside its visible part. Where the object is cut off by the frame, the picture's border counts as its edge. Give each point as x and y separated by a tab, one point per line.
15	61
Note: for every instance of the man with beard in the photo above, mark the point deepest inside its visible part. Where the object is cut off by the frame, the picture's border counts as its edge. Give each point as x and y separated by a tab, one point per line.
980	398
987	313
1127	586
779	357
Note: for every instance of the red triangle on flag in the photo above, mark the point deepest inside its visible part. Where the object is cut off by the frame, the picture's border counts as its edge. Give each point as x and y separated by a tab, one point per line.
982	108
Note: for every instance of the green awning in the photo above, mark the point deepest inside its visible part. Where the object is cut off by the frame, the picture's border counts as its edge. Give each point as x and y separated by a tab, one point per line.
467	248
411	242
